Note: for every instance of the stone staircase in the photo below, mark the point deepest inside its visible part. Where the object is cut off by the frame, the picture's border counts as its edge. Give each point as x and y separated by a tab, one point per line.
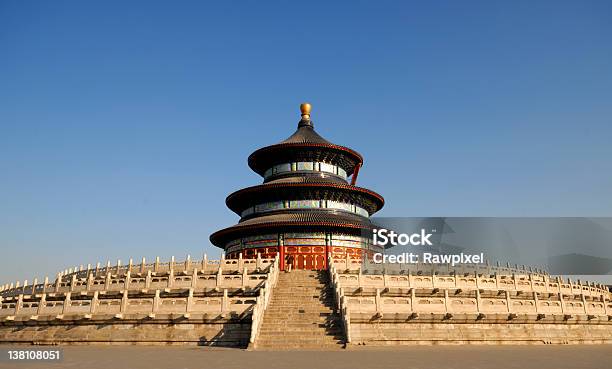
301	314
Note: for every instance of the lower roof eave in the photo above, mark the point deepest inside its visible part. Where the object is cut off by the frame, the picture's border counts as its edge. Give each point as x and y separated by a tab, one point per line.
221	237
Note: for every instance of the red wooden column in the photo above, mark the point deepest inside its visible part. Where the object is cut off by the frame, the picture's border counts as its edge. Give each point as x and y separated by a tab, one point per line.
327	249
281	251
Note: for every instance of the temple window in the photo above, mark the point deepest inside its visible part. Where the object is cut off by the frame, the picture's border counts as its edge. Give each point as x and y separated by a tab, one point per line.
306	166
305	204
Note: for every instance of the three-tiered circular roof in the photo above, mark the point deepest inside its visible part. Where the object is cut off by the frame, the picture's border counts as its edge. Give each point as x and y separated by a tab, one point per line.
305	145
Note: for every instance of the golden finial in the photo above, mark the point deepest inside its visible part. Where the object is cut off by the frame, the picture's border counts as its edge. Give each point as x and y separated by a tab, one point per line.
305	109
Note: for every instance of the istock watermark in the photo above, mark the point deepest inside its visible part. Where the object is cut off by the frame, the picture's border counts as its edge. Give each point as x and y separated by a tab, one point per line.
428	258
387	238
568	246
384	237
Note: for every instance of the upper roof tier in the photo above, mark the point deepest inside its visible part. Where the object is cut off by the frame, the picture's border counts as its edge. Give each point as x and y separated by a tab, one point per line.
305	145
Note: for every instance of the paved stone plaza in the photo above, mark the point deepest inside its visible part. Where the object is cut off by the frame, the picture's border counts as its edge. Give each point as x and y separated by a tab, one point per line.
421	357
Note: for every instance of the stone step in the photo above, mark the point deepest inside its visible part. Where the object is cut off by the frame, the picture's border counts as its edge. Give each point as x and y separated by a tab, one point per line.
298	334
277	305
313	298
297	311
311	320
301	303
300	347
305	293
299	339
298	344
295	321
284	315
302	314
303	299
306	332
303	325
313	316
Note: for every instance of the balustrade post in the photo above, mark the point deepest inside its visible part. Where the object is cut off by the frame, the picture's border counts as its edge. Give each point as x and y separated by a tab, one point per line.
107	282
156	301
245	277
124	301
19	304
447	306
42	303
219	277
224	302
156	266
73	282
204	262
94	303
142	265
130	263
410	278
66	303
58	282
172	263
90	279
194	278
148	279
190	300
44	290
188	262
128	276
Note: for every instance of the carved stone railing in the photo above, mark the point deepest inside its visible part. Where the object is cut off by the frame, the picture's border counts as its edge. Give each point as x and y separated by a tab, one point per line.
77	306
464	276
220	288
528	283
207	273
263	300
534	296
350	264
340	301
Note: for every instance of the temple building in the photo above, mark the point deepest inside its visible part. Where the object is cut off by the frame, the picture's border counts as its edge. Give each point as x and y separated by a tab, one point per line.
309	215
307	206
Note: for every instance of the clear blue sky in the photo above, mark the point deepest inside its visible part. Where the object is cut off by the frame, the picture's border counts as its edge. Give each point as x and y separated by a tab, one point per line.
124	125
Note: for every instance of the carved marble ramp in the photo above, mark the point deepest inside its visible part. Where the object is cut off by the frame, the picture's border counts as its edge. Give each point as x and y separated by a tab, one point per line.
301	314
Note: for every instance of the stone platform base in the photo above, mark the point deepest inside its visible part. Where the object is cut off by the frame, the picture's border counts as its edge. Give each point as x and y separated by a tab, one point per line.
387	334
201	334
